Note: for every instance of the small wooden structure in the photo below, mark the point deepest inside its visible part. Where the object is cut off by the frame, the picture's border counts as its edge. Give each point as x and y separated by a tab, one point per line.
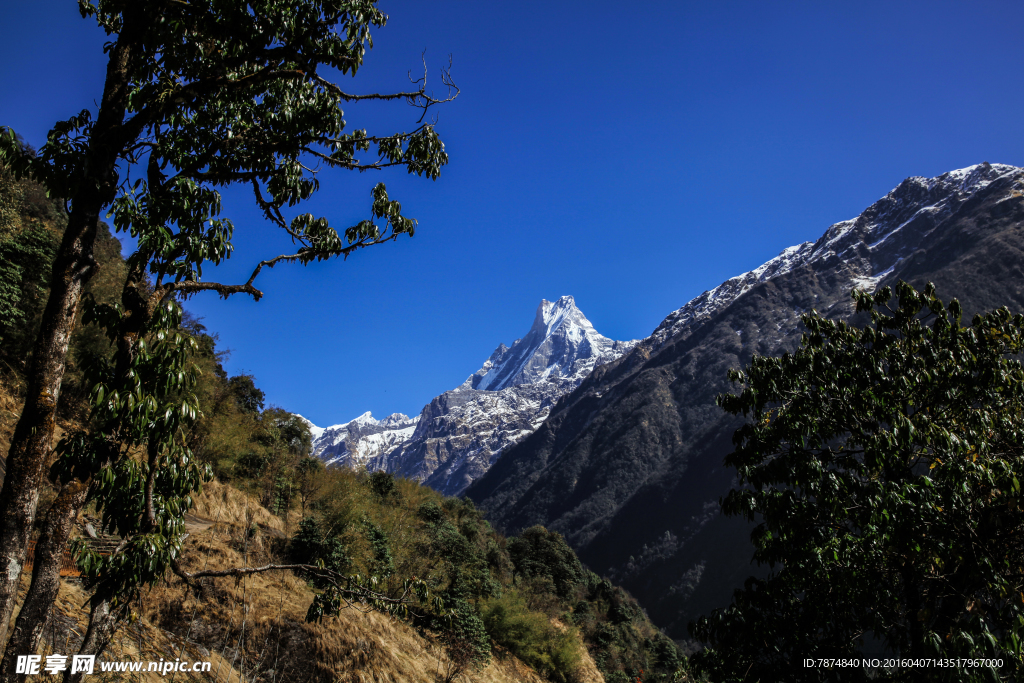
68	567
102	543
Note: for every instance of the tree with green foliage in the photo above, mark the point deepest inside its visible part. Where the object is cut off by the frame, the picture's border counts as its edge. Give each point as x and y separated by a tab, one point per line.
198	96
279	440
383	486
143	500
531	636
311	545
31	225
27	248
11	195
538	552
382	566
247	395
465	639
464	575
883	464
309	480
25	256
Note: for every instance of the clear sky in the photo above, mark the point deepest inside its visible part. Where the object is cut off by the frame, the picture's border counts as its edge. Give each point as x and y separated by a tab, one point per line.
630	154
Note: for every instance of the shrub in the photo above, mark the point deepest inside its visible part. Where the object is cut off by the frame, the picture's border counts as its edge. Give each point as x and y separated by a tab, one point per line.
553	652
542	553
310	544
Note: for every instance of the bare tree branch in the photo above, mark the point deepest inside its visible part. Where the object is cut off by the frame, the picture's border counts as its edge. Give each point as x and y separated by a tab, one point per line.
333	577
191	287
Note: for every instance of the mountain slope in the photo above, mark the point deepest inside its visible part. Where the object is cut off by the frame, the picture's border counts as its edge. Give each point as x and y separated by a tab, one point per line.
458	435
628	466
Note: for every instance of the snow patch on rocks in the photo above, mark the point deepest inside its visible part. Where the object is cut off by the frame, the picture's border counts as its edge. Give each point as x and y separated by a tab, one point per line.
871	245
457	437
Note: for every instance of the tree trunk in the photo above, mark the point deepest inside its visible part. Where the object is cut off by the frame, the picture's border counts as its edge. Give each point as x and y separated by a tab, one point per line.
35	611
103	621
61	518
73	265
31	442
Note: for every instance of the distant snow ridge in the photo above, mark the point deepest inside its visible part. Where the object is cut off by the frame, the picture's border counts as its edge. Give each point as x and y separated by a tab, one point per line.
870	246
710	302
354	442
459	434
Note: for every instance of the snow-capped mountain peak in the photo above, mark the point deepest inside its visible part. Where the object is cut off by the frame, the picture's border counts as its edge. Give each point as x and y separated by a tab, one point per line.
364	420
551	315
561	344
459	434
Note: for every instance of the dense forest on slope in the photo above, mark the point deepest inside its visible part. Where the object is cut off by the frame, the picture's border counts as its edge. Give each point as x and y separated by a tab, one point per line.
489	596
629	467
31	225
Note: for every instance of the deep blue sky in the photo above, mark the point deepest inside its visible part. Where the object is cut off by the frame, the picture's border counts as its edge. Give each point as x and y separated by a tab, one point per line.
632	155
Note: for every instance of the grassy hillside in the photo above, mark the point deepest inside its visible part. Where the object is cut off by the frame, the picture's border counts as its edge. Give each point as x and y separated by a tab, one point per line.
544	617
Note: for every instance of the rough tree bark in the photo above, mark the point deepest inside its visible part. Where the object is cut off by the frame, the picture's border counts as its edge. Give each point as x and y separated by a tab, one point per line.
35	610
72	267
103	621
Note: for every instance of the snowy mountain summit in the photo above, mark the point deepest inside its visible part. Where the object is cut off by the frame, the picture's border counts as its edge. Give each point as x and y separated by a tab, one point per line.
561	345
460	433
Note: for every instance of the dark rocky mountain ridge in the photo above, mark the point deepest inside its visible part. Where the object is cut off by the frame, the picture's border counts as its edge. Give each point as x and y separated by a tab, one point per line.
628	467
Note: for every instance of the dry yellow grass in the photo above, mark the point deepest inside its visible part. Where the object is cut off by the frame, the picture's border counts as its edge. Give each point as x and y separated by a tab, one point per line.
587	671
253	629
226	504
134	642
257	626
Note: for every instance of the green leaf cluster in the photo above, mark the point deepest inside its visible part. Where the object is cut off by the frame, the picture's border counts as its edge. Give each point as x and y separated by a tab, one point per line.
531	636
539	553
30	232
882	463
217	94
142	473
312	545
25	258
27	248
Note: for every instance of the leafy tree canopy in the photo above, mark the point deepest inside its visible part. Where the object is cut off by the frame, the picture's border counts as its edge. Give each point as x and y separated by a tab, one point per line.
247	395
198	95
212	94
883	463
24	257
539	552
